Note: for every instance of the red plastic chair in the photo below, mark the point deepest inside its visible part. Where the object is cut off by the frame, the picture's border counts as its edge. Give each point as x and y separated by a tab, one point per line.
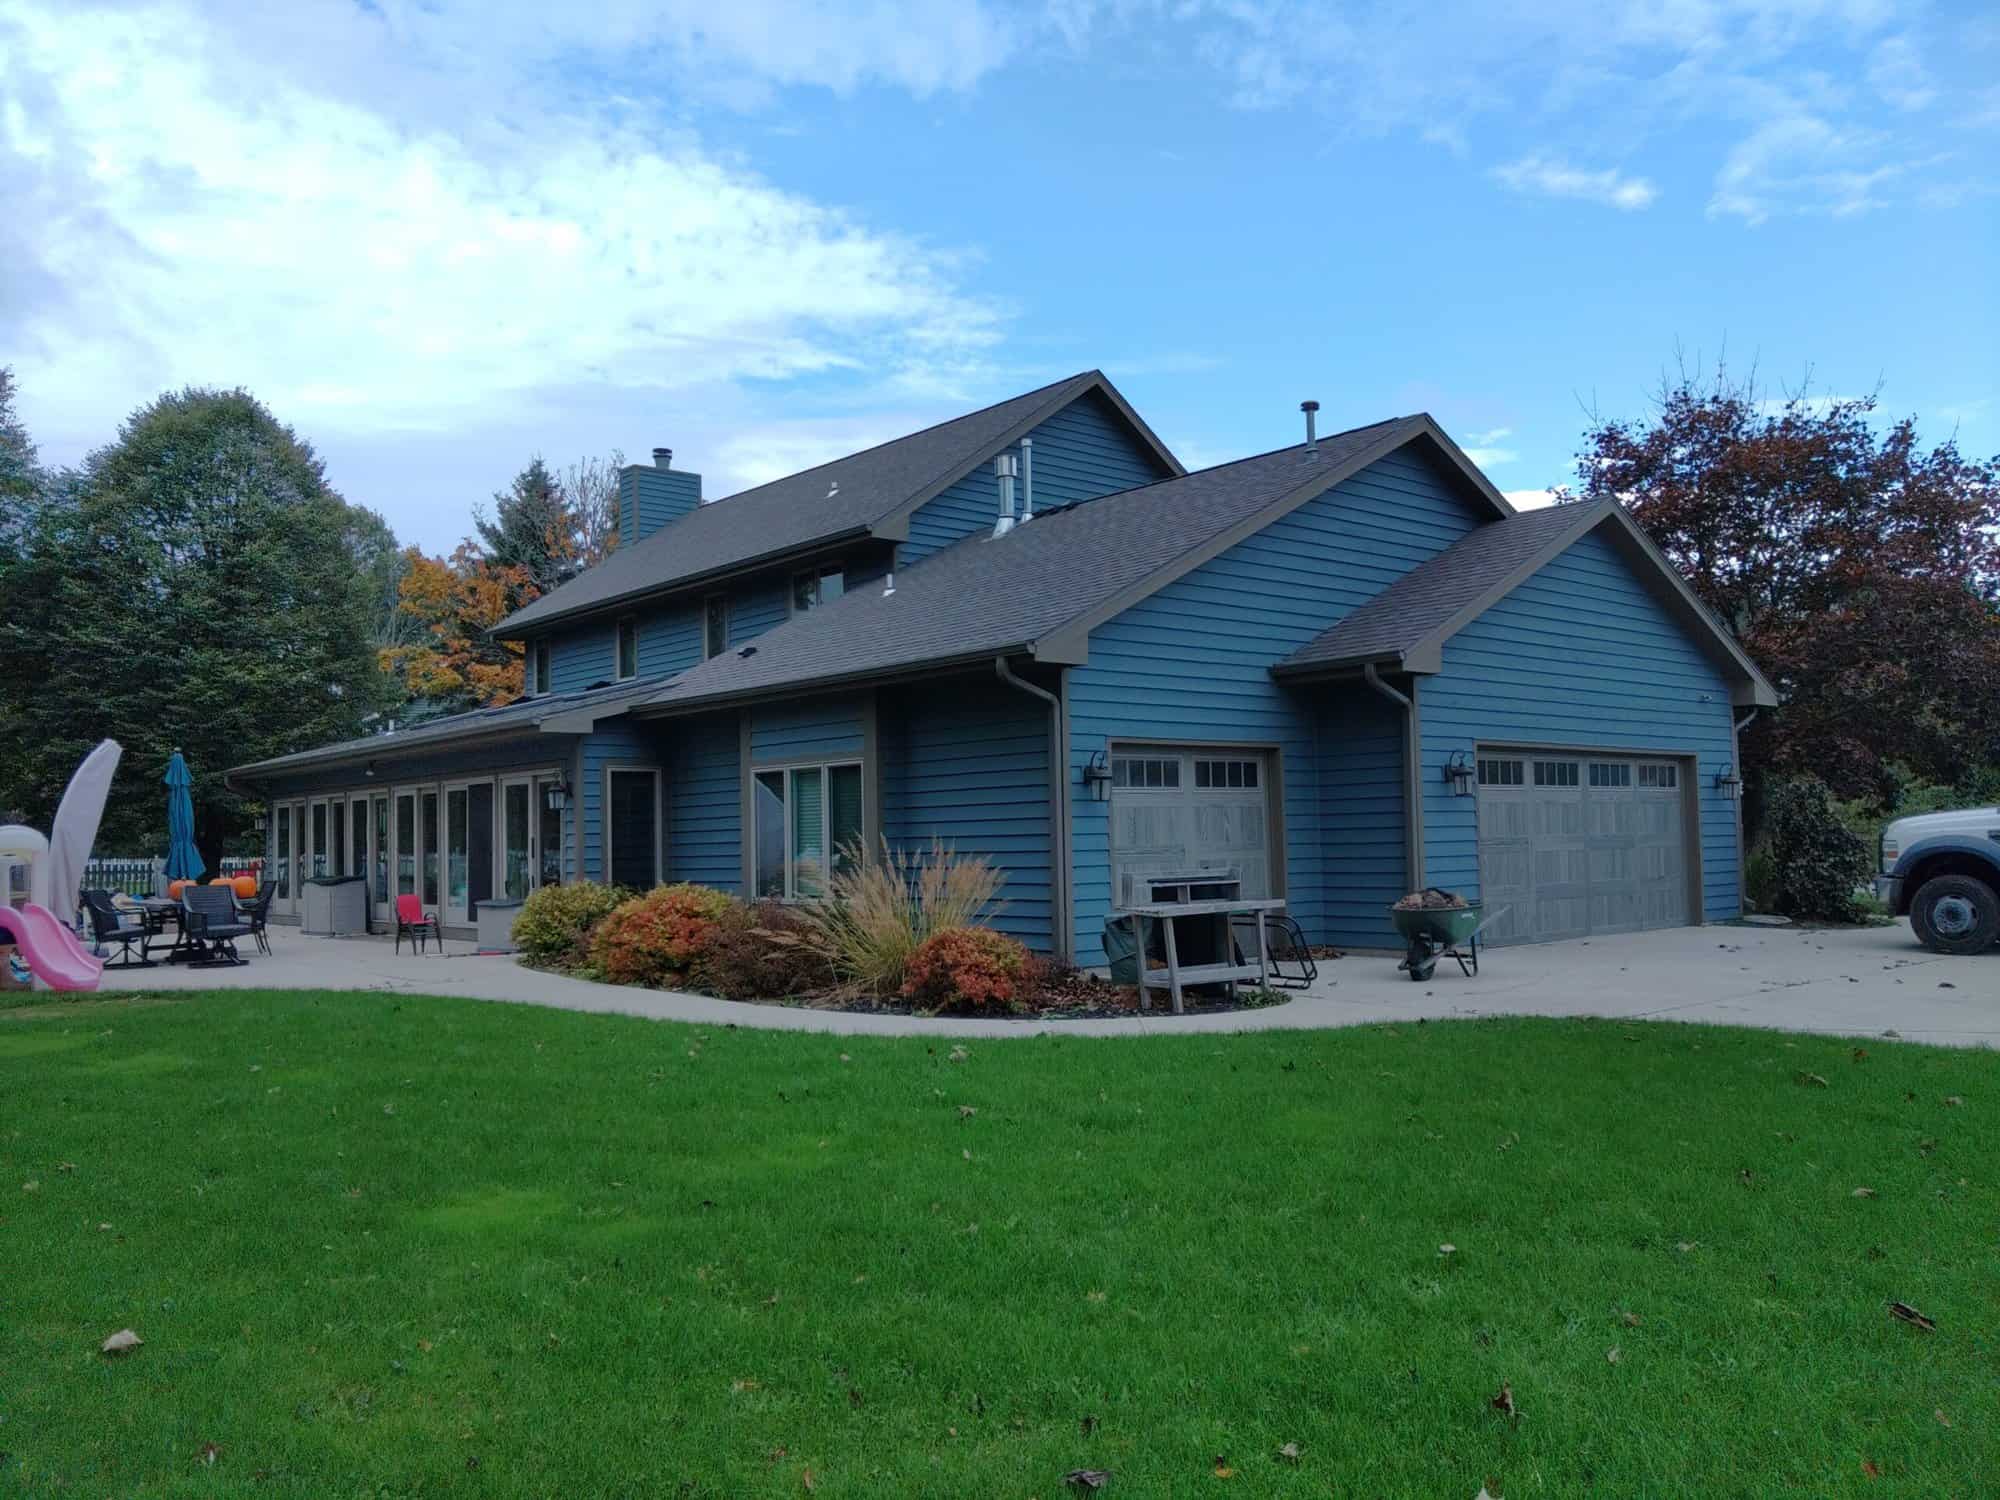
412	919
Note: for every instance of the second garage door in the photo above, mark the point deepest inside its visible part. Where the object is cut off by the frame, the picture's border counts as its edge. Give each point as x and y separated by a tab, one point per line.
1576	844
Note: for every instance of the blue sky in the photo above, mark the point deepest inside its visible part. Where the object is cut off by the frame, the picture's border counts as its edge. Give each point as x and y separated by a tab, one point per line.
439	238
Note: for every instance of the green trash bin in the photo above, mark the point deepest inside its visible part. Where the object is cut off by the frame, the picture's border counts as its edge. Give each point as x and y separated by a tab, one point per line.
1122	950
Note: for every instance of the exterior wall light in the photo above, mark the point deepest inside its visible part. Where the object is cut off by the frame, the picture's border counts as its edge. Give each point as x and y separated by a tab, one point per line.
1459	773
556	793
1728	782
1097	776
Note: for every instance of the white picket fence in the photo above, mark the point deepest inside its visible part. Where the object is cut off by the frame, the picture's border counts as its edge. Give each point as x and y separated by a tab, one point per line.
147	877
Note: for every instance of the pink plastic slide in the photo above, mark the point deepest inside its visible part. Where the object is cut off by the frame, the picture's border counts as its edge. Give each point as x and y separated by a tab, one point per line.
53	953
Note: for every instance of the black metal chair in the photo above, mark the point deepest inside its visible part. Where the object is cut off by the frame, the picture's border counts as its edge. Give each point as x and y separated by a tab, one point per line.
257	912
1288	961
108	925
211	925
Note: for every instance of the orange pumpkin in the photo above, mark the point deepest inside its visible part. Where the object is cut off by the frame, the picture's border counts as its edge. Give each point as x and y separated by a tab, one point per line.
220	880
175	887
246	886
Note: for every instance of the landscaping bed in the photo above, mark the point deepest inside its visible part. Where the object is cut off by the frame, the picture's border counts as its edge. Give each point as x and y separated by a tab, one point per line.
394	1244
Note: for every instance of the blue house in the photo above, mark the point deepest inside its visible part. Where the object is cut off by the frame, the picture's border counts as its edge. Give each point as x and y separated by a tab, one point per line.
1341	670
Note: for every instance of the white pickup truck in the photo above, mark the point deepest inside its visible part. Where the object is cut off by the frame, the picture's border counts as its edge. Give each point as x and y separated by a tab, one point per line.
1942	870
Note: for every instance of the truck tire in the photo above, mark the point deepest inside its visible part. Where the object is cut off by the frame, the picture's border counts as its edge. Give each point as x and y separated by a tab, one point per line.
1956	914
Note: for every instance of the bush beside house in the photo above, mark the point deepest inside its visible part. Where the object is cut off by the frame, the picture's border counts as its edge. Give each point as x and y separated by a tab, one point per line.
1811	865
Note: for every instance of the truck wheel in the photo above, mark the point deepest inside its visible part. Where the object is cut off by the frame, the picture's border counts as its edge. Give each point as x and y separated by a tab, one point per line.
1956	914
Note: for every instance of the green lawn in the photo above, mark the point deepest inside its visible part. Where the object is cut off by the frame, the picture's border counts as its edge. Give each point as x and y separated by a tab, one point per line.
378	1245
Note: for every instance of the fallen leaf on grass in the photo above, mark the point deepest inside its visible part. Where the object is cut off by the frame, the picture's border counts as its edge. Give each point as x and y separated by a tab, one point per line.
1908	1314
1630	1320
957	1054
425	1345
1613	1355
1686	1246
1861	1054
208	1454
65	1166
1810	1080
1222	1469
1093	1296
1289	1453
1863	1192
1087	1479
1504	1402
808	1481
1943	1420
1447	1249
124	1341
1868	1467
1952	1101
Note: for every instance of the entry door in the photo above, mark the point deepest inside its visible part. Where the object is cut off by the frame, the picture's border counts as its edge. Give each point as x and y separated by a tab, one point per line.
517	837
408	851
1575	844
282	897
380	885
1189	811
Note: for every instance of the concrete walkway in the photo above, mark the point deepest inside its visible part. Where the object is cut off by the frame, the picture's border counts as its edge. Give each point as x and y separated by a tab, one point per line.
1858	982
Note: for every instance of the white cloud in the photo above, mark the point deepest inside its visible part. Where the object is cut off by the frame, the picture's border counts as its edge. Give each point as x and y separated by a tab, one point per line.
1554	177
1530	499
1486	448
1802	164
1897	74
371	251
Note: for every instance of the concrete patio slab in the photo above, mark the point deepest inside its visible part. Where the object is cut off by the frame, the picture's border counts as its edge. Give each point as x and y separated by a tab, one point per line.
1856	981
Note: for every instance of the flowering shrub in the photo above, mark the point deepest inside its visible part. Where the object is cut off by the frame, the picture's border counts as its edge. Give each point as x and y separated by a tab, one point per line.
660	937
556	921
762	952
973	966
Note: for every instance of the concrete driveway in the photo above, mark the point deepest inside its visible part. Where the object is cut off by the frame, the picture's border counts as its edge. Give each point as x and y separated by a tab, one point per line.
1859	981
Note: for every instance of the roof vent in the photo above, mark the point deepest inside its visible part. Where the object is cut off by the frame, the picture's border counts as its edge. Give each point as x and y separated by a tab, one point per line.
889	584
1027	479
1004	469
663	458
832	488
746	653
1311	409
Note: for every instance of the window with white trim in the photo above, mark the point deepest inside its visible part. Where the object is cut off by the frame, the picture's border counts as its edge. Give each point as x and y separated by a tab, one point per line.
538	669
807	822
626	662
1230	773
817	586
1610	773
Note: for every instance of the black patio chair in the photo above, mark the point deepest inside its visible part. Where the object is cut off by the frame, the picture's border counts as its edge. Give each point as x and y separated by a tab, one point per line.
257	912
108	925
1288	961
212	926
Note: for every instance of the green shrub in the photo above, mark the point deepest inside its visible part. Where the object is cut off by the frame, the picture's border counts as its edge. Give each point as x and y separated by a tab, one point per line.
555	922
1817	863
659	938
965	967
762	952
1760	878
878	912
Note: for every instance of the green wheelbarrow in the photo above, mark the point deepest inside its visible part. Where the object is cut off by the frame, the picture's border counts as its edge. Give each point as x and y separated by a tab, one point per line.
1436	932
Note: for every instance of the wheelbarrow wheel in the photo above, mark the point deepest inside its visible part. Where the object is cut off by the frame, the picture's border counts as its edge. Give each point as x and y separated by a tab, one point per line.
1420	963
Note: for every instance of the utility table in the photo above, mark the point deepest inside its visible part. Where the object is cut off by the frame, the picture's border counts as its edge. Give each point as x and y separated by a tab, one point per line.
1220	911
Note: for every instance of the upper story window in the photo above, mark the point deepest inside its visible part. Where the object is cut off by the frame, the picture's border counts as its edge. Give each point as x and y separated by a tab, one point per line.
538	668
714	625
817	586
628	648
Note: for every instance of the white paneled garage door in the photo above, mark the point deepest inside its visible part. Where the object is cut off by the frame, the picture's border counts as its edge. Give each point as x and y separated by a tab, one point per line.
1573	844
1182	811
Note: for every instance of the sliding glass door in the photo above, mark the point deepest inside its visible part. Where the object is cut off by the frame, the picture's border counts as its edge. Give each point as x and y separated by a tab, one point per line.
517	853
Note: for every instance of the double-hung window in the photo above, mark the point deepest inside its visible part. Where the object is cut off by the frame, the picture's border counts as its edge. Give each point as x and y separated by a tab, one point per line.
815	587
538	669
627	659
808	821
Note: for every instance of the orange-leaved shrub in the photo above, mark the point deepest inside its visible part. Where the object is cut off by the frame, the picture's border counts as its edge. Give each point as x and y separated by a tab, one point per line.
965	966
659	937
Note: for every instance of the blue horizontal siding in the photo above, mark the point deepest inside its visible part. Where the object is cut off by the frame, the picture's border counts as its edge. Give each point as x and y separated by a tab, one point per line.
705	802
1083	451
967	762
1581	654
670	639
758	606
1192	663
807	729
578	658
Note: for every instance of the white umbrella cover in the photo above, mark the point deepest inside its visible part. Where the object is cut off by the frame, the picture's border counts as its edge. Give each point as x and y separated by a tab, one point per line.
75	829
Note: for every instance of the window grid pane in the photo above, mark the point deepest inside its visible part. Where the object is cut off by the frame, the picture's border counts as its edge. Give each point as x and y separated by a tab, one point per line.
770	834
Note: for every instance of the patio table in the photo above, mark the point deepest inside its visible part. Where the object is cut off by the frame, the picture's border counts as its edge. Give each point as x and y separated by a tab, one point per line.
1165	913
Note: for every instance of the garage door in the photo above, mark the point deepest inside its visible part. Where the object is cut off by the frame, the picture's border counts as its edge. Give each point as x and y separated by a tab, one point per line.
1575	845
1182	812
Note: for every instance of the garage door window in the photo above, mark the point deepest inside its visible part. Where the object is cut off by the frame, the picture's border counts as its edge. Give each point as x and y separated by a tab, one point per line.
1225	773
1610	773
1555	773
1495	772
1147	771
1659	776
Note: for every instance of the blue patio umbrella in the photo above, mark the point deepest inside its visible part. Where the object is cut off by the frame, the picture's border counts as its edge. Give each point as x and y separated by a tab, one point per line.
184	861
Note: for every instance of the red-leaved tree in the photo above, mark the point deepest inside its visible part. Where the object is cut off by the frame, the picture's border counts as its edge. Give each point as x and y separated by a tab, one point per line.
1860	570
